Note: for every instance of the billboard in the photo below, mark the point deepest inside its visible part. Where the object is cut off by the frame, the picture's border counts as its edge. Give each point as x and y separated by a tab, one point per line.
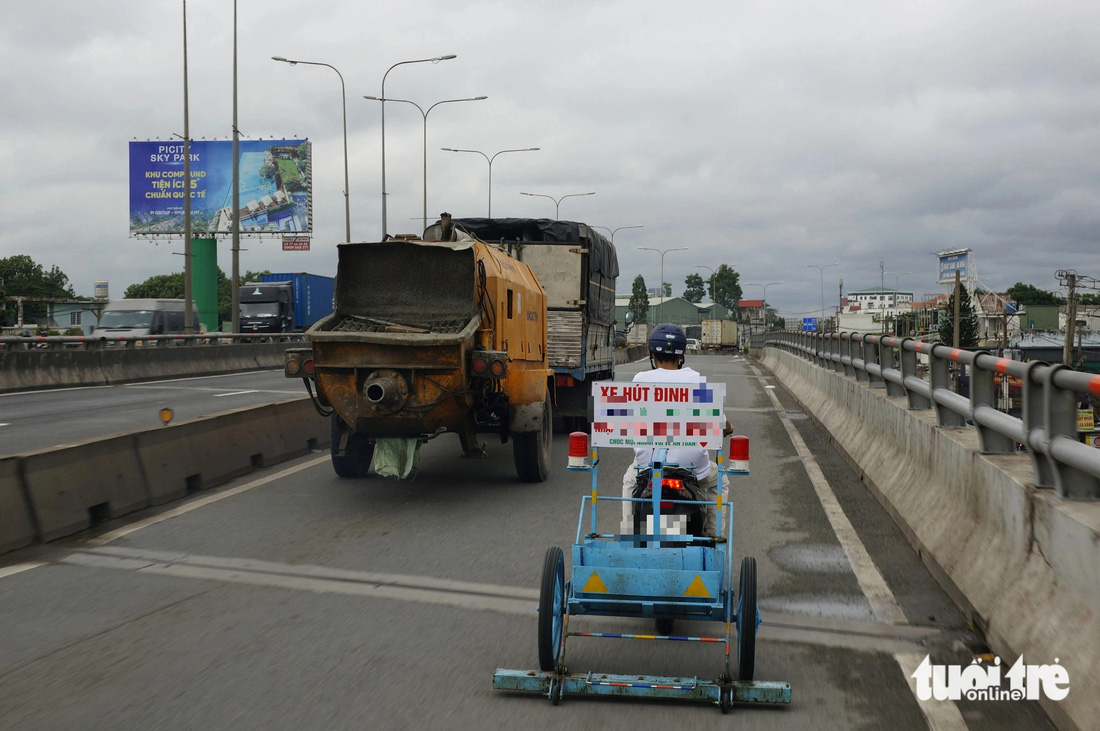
951	262
275	187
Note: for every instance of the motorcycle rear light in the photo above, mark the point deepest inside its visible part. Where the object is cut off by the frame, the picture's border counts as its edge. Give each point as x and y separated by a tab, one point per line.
665	505
672	484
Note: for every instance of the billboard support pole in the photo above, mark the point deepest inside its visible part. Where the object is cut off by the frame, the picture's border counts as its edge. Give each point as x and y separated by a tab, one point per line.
188	323
235	284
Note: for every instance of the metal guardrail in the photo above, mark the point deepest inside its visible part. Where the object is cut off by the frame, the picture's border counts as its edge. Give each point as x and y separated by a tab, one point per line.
85	342
1050	393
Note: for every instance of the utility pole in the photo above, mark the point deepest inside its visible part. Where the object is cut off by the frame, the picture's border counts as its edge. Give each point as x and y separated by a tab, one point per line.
955	334
1070	277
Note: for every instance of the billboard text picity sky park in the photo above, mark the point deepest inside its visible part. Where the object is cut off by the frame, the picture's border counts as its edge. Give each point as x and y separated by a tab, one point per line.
274	196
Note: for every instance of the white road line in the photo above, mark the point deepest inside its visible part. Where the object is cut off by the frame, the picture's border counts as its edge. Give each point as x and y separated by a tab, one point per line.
202	502
5	424
883	603
20	568
235	393
940	715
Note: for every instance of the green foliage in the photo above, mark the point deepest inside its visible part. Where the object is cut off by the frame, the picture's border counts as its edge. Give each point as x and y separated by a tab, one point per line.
170	286
23	277
727	287
694	288
639	300
666	289
1027	294
968	321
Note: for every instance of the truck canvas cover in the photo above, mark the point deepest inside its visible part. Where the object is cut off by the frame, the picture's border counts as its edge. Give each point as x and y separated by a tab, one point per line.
603	264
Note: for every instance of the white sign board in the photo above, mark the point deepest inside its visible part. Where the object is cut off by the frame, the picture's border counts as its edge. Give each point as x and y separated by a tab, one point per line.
658	414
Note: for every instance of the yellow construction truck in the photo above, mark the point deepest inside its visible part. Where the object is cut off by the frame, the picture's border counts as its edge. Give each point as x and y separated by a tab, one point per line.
430	335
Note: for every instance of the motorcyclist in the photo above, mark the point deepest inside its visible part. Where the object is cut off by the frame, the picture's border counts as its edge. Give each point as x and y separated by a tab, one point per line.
667	344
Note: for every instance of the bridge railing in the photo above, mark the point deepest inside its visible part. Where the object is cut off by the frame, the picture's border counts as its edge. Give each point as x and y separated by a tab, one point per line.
86	342
1050	394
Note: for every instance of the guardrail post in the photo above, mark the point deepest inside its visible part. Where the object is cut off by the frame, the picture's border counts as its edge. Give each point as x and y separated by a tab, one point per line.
870	355
887	362
859	356
983	393
1060	407
908	357
1032	398
834	352
940	373
844	343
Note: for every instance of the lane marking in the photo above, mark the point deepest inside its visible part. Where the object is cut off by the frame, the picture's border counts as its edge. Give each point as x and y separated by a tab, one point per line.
235	393
884	605
20	568
517	601
202	502
5	424
940	715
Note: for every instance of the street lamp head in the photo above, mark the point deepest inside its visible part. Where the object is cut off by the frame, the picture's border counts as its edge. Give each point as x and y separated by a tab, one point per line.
479	98
373	98
448	57
284	60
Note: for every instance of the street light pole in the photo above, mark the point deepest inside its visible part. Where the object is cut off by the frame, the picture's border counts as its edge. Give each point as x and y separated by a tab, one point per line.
896	314
557	201
425	114
490	161
620	228
765	300
713	304
344	103
382	97
188	294
821	268
661	306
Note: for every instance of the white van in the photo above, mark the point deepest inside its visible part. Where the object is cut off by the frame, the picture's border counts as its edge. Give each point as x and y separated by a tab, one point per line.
138	317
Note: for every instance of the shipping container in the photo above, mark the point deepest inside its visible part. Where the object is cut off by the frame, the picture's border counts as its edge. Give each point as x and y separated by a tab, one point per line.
313	296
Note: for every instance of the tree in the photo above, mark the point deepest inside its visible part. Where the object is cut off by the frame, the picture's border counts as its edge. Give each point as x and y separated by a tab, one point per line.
639	301
727	289
968	321
170	286
666	289
693	288
23	277
1027	294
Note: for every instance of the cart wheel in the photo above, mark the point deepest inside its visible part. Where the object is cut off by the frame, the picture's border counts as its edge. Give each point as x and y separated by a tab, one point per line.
726	700
555	691
747	616
551	609
665	625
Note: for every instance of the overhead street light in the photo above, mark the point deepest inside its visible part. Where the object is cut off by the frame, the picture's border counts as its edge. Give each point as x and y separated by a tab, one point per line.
557	201
490	161
425	114
382	98
620	228
344	101
765	300
662	252
713	304
821	268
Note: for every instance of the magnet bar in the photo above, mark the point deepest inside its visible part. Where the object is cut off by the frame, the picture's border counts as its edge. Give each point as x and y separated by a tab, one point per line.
642	686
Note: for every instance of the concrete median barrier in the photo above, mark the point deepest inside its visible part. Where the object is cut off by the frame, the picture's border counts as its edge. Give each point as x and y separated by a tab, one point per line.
1024	564
55	493
72	487
16	526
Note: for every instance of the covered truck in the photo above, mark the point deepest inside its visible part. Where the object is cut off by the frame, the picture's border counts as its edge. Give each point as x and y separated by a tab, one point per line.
577	267
430	337
719	335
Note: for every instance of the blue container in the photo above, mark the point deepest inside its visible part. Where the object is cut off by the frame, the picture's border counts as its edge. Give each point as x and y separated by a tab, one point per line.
313	296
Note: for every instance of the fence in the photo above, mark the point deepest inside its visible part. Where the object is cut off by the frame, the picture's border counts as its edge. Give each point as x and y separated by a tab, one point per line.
1050	394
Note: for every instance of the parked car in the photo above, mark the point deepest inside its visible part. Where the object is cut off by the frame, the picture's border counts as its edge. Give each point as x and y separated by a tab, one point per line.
692	345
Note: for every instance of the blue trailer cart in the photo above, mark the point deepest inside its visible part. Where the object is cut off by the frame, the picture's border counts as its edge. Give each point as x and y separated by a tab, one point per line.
657	576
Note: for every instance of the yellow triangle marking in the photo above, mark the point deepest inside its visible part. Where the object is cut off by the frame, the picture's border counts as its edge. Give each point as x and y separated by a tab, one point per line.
595	584
696	588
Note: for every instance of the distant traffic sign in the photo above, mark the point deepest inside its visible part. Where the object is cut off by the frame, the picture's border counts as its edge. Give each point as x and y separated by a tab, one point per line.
809	324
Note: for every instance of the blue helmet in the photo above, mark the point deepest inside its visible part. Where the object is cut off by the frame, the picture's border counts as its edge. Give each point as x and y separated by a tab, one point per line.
667	339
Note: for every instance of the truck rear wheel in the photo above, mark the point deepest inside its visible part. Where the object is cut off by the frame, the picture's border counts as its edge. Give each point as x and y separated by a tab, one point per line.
355	462
531	450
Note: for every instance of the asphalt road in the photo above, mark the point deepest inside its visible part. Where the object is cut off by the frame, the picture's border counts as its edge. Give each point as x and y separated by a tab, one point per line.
293	599
31	421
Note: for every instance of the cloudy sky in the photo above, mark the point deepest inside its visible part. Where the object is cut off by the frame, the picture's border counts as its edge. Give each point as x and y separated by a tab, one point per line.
765	135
